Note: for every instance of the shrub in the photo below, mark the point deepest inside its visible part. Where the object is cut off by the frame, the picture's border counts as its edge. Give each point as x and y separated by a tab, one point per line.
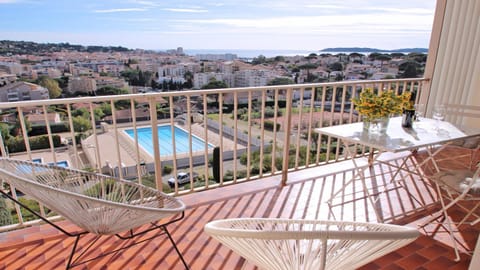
167	169
270	125
27	215
5	215
54	128
17	144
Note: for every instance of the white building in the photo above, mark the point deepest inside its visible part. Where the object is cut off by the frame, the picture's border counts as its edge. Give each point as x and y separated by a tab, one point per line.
11	67
382	75
20	91
104	81
201	79
216	57
253	77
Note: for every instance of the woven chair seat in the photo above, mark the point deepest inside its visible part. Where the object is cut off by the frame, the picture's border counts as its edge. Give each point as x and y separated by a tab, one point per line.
285	244
97	203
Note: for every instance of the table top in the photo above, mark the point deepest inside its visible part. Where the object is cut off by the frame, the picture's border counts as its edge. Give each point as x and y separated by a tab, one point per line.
397	138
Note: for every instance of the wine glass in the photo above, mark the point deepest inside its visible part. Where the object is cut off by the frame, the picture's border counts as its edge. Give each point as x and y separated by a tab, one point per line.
419	110
438	114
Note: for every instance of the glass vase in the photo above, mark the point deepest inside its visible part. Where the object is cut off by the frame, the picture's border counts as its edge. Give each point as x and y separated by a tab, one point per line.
377	125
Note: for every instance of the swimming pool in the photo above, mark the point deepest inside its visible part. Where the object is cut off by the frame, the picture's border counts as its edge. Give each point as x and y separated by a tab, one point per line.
61	163
165	140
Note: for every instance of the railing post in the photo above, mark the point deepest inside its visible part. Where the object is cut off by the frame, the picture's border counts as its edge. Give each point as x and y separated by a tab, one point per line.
156	148
3	149
3	154
287	127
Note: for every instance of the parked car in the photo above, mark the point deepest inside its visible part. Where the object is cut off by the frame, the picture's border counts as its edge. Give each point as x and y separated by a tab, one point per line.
183	178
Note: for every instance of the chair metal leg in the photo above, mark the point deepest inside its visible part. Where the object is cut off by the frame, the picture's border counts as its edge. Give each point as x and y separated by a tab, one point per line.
75	262
176	248
69	263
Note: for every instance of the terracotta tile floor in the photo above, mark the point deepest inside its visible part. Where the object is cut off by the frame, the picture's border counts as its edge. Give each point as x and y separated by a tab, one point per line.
42	247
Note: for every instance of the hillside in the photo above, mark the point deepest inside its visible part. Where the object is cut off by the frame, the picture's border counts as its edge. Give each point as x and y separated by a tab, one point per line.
33	48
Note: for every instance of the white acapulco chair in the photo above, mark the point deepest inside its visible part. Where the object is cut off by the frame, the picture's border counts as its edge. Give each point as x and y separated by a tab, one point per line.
99	204
281	244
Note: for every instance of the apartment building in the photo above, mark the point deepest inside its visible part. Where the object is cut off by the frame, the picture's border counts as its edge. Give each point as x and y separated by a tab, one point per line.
81	71
82	84
6	78
21	91
110	68
104	81
216	57
201	79
11	67
48	72
253	77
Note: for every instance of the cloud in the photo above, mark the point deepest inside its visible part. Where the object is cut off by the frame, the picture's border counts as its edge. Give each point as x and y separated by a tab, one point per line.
145	3
188	10
115	10
309	22
9	1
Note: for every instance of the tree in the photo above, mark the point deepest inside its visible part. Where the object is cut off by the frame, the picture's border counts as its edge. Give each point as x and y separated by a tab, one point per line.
355	55
98	114
409	70
54	89
214	84
81	112
281	81
110	90
337	66
81	124
308	66
383	58
62	82
137	77
418	57
261	59
397	55
5	131
188	76
106	108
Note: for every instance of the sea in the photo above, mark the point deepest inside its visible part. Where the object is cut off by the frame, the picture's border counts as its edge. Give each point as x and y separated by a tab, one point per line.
243	53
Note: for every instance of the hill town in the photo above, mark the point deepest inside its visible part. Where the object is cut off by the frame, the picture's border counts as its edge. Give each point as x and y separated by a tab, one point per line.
32	71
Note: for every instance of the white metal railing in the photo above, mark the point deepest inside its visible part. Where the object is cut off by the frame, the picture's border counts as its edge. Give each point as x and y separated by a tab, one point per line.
240	123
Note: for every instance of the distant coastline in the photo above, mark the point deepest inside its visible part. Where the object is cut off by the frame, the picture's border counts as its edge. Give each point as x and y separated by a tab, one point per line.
29	47
244	53
372	50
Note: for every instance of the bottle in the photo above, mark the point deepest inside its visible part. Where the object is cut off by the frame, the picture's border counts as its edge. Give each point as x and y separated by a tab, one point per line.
409	112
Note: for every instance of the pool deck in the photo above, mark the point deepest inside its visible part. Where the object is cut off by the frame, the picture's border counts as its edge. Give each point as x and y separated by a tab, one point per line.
109	152
61	154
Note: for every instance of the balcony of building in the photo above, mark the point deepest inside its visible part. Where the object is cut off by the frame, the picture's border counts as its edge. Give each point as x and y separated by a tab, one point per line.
257	157
303	197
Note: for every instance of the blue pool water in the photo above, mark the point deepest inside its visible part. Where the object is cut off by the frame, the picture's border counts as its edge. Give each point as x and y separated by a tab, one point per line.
165	140
61	163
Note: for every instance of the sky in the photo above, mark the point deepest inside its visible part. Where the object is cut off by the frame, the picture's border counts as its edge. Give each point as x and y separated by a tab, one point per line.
221	24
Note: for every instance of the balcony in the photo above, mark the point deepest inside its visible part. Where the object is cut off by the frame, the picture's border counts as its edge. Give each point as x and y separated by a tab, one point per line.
303	196
297	187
